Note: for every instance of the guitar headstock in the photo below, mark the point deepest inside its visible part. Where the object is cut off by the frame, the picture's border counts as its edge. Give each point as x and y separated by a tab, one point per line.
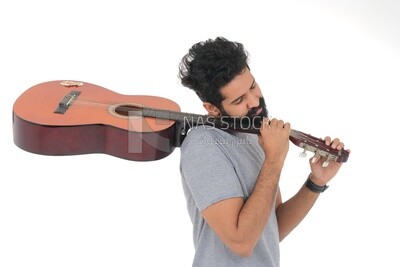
318	146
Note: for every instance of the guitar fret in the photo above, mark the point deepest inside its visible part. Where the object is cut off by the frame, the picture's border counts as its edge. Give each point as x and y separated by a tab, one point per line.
172	115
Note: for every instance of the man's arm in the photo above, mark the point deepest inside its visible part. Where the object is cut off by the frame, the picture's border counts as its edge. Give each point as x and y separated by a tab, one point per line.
292	212
239	224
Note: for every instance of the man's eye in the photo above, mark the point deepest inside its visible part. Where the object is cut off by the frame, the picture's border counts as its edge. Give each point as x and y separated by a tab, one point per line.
239	101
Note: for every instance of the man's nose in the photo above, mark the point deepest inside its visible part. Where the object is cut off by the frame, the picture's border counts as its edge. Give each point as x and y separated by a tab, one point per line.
253	101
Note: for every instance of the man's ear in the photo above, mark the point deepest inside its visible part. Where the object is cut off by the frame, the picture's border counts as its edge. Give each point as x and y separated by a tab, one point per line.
211	109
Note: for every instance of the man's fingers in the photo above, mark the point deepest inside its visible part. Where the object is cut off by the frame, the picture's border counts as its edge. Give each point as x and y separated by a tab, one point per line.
315	159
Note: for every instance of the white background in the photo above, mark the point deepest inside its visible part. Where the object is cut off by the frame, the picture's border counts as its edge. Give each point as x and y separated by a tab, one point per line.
328	67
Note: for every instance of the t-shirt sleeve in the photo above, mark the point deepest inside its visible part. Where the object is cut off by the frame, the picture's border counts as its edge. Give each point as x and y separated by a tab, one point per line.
207	171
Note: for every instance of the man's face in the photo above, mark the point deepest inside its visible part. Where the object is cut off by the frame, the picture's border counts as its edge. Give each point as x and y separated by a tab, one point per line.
243	97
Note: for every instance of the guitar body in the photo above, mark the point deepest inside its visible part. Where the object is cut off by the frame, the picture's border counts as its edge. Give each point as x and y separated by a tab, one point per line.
71	118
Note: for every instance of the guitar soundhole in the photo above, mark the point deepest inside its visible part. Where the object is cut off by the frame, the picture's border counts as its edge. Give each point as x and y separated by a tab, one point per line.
128	110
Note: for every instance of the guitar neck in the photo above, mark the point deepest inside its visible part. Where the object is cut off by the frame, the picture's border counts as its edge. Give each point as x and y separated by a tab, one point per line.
192	120
247	125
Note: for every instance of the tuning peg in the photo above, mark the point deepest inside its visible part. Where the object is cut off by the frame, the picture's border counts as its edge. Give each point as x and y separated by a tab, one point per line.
303	154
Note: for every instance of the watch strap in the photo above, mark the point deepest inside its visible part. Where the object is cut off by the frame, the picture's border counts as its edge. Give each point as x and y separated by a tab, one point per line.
314	187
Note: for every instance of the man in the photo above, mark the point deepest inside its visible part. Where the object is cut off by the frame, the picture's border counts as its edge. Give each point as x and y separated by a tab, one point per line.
231	178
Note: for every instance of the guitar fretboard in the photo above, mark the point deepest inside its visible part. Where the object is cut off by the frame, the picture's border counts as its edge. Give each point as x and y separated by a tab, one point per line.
305	141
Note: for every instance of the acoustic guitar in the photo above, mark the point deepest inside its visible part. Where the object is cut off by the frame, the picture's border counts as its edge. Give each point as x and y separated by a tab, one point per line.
73	117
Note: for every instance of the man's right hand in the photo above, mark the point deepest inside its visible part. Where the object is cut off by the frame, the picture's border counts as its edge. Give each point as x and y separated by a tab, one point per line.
274	139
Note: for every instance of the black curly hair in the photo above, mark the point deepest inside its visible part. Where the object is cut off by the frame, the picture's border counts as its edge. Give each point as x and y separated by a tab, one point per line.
210	65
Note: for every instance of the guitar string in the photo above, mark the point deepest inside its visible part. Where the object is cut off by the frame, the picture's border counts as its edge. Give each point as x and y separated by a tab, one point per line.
87	102
90	103
127	107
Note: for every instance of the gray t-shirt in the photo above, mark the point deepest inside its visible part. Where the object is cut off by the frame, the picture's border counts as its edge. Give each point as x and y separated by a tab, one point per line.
217	165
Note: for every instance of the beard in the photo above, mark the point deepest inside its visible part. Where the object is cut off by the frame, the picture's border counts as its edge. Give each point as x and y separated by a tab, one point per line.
264	112
251	120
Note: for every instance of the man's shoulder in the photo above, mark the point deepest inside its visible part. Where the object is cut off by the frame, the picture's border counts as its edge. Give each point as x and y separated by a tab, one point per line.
204	138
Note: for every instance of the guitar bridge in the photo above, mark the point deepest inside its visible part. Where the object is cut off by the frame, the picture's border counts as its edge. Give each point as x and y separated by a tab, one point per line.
66	102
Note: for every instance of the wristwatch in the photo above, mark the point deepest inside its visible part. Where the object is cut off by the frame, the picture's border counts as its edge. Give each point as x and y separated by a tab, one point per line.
315	188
